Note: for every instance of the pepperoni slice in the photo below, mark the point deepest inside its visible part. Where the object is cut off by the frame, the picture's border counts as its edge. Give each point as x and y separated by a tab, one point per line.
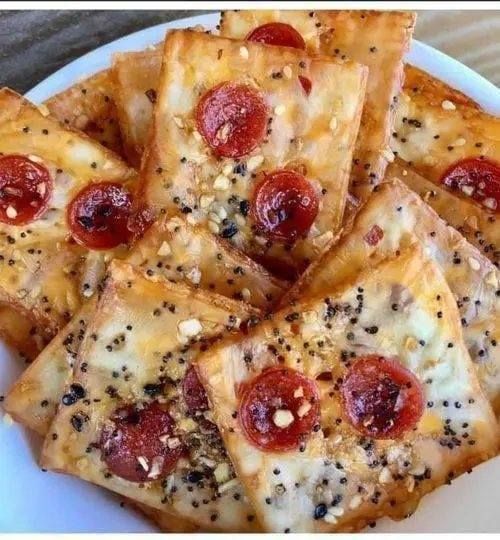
25	190
193	392
98	216
478	178
277	33
381	398
374	235
138	445
232	118
306	84
284	205
279	409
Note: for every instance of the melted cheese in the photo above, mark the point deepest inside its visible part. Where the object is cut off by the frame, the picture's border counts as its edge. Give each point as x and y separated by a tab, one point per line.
131	341
342	480
404	220
179	169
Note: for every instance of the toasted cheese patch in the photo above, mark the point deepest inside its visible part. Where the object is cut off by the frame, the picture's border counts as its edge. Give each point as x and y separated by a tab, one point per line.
402	219
340	479
180	168
132	360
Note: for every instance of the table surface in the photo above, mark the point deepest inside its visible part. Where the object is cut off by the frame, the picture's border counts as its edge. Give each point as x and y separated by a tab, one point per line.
34	44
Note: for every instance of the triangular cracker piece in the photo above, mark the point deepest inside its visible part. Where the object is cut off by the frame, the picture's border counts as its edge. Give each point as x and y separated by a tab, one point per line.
271	177
470	218
48	172
134	417
170	249
377	39
136	76
448	140
89	106
341	409
388	223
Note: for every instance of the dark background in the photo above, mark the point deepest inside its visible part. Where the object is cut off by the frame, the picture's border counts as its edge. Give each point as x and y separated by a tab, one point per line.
35	44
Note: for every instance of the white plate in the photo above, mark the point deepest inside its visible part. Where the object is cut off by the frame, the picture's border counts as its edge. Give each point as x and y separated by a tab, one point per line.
34	501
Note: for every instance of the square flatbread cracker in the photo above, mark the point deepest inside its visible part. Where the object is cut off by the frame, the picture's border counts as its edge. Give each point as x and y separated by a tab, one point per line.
342	409
388	223
134	417
271	128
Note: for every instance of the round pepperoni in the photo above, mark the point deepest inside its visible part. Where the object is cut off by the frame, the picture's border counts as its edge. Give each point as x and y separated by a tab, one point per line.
277	33
279	409
25	190
232	118
381	398
193	392
284	205
306	84
138	444
478	178
99	215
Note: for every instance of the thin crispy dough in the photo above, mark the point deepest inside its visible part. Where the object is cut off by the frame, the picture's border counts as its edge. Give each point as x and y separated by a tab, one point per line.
136	76
179	169
377	39
420	83
178	251
89	107
137	324
393	473
21	332
479	225
435	126
41	271
401	216
34	398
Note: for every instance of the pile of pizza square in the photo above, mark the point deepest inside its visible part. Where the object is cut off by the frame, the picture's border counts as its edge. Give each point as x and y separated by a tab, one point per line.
256	276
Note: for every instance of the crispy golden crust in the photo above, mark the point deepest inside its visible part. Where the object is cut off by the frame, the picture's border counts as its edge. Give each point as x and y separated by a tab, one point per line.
178	251
178	168
42	272
138	326
435	126
478	224
89	106
34	398
136	76
401	216
379	40
21	332
420	83
383	477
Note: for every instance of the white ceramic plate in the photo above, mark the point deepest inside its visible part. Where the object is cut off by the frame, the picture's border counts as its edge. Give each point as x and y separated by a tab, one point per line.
34	501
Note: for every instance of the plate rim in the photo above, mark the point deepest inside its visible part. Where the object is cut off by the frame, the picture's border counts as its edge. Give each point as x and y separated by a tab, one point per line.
435	62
